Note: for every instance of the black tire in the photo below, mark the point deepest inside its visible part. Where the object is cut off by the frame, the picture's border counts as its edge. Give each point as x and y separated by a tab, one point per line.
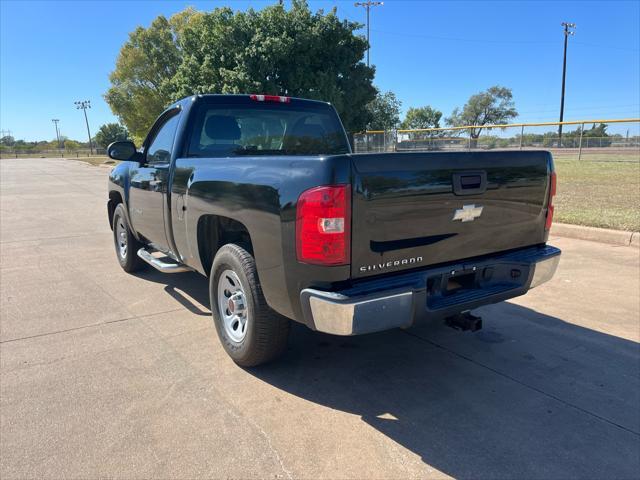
265	332
127	254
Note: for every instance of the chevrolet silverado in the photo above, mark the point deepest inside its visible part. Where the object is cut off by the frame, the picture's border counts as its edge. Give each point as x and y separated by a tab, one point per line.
263	195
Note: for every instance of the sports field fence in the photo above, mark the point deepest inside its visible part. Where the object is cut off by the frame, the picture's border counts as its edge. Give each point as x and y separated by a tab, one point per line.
584	140
9	152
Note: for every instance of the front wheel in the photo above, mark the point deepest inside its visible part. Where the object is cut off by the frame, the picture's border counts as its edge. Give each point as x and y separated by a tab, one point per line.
126	244
249	330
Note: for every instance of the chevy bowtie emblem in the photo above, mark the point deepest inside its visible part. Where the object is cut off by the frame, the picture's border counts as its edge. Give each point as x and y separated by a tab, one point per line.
468	213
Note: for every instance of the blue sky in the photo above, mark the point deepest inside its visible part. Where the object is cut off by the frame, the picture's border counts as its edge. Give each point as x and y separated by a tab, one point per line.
429	53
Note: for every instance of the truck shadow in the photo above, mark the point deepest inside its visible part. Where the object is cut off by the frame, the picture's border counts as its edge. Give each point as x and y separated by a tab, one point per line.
530	396
189	289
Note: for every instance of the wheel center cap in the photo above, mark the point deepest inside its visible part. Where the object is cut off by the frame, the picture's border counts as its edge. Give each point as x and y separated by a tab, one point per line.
236	303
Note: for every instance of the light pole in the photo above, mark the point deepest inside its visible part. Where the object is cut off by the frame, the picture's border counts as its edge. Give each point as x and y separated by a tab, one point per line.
368	4
55	122
84	104
567	32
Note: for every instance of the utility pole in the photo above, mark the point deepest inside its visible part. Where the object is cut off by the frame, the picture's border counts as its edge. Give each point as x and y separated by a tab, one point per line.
567	32
84	104
368	4
55	122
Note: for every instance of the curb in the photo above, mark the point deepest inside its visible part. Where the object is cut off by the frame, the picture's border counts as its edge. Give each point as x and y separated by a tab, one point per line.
602	235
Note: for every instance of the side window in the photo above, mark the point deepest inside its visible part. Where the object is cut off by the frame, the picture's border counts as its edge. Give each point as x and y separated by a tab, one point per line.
159	150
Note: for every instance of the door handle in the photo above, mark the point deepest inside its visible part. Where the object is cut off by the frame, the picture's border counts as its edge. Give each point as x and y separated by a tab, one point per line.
469	183
155	185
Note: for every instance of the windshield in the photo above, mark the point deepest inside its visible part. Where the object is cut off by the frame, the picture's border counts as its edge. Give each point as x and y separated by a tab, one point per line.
266	129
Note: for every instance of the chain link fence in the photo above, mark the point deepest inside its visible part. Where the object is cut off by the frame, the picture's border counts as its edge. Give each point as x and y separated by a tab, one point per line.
9	152
589	140
582	140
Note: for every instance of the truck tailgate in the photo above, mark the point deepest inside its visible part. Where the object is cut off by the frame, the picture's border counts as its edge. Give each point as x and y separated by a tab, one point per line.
416	209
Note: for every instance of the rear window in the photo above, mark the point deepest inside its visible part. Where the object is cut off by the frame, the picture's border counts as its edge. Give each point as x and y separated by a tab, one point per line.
266	129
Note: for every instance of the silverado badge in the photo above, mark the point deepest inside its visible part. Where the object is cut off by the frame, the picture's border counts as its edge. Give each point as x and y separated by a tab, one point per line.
468	213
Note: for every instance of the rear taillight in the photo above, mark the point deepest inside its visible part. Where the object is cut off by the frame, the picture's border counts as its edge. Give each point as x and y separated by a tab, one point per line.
323	225
552	193
270	98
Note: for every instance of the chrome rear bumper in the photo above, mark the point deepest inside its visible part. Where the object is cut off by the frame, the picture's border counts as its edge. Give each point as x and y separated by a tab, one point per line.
544	271
355	312
340	315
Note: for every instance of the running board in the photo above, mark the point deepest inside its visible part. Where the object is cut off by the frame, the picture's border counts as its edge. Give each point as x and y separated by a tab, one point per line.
160	265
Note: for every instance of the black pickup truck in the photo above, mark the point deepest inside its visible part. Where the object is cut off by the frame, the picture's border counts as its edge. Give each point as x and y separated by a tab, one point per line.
262	194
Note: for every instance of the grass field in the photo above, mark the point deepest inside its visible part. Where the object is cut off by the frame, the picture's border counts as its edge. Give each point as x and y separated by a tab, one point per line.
598	156
599	193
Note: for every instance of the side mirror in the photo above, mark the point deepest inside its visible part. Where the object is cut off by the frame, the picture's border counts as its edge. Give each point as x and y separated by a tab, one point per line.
122	151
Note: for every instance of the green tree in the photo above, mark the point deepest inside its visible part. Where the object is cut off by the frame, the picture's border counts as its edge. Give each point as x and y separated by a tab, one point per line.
7	141
71	144
52	145
491	107
281	52
598	134
596	131
110	132
421	117
141	82
384	111
275	51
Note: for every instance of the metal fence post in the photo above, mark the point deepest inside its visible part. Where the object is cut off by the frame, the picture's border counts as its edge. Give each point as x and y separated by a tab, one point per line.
521	135
580	145
469	143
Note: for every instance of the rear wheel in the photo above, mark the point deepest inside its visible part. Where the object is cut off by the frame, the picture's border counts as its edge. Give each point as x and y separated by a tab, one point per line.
249	330
126	245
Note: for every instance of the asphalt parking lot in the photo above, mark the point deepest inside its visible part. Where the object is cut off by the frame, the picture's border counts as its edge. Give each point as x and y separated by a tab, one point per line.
105	374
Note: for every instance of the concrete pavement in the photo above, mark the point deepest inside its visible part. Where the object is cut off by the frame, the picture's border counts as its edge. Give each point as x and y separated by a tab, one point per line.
104	374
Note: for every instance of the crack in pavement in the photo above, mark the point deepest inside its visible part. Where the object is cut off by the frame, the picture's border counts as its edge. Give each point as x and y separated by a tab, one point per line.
43	239
82	327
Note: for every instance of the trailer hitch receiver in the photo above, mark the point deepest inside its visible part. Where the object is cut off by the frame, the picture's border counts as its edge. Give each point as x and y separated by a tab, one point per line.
464	321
